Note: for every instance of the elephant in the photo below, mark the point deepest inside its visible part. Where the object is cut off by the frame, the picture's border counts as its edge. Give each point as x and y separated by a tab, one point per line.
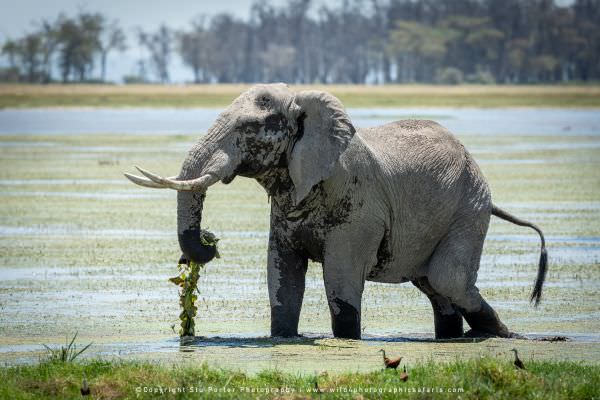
400	202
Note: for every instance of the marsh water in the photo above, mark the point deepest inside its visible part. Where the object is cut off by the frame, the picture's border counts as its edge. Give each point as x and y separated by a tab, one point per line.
144	121
85	251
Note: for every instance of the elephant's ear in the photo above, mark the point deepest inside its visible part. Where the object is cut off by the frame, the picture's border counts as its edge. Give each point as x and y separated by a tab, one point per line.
324	133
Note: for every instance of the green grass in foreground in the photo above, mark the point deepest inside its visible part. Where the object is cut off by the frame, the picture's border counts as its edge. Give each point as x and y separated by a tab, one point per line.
474	379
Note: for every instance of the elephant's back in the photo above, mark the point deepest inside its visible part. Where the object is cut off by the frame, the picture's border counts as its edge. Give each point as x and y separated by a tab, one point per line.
421	148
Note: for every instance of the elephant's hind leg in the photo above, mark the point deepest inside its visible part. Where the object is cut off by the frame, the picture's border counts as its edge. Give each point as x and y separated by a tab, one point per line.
452	272
447	319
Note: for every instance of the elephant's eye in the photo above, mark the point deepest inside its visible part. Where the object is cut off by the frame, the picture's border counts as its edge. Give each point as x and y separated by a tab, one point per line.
264	102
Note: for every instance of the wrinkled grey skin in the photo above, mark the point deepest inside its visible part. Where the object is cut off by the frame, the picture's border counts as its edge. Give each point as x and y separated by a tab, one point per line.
396	203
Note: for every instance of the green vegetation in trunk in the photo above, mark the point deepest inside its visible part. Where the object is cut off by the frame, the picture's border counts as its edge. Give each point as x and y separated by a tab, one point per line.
187	280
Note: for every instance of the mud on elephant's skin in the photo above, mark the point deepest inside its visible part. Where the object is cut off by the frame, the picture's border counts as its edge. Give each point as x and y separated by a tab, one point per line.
396	203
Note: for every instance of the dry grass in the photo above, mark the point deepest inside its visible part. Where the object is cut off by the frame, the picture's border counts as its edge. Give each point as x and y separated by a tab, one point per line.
24	95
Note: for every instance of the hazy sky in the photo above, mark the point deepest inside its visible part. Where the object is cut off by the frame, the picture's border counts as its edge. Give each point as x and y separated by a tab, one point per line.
17	17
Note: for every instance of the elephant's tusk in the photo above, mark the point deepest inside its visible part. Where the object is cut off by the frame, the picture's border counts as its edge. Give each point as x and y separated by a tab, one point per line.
155	178
198	184
138	180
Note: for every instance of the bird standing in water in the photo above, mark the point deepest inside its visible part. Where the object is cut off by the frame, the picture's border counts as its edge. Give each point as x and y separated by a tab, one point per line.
390	363
404	375
518	363
85	389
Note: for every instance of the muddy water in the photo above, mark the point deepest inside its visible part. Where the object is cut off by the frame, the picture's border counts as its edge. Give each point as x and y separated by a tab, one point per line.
317	354
84	251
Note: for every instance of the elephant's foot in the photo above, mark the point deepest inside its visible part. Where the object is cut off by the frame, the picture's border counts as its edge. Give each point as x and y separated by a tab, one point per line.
476	334
448	326
283	331
485	322
284	323
448	321
513	335
345	320
284	334
473	333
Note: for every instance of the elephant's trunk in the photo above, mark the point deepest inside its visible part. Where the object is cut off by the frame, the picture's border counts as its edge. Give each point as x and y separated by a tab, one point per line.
189	217
203	159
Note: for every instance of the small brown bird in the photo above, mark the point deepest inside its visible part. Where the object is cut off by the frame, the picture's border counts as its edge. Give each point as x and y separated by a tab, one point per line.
390	363
316	387
85	389
404	375
518	363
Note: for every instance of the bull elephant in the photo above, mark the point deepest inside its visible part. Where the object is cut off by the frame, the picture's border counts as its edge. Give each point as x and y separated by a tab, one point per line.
395	203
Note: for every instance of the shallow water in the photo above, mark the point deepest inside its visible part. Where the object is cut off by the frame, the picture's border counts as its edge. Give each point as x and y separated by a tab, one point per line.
84	250
143	121
88	195
308	354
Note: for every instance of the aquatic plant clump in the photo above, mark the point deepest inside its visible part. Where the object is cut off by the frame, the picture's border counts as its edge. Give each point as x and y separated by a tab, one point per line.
187	280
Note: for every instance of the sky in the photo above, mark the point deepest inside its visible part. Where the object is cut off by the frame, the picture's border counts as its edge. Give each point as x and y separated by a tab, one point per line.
18	17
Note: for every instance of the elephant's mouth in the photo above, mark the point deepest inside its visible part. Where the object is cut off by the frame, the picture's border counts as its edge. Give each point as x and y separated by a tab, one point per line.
246	170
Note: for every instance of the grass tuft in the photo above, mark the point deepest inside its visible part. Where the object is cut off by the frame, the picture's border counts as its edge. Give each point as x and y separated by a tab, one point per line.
67	353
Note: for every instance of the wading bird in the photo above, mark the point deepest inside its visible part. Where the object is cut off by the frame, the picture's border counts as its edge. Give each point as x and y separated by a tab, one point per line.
85	389
404	375
518	363
390	363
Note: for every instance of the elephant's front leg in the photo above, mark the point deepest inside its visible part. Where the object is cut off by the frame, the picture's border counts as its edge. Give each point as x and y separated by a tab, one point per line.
347	259
286	271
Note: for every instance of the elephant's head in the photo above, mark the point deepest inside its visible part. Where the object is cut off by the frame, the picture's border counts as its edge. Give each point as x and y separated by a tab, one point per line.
267	127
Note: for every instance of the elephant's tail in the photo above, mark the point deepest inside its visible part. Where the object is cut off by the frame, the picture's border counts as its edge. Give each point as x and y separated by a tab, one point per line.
536	295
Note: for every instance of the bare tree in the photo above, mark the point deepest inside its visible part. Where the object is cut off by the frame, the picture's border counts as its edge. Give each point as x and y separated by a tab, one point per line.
11	49
111	38
30	52
194	47
158	45
78	43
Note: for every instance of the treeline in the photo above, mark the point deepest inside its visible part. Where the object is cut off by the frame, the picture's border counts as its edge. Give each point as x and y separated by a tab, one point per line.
357	41
74	44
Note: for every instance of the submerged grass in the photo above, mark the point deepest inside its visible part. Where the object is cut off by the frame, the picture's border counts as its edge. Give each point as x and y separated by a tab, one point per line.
351	95
484	378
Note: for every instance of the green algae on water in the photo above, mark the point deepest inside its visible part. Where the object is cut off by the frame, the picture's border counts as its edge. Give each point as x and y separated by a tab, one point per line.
187	280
